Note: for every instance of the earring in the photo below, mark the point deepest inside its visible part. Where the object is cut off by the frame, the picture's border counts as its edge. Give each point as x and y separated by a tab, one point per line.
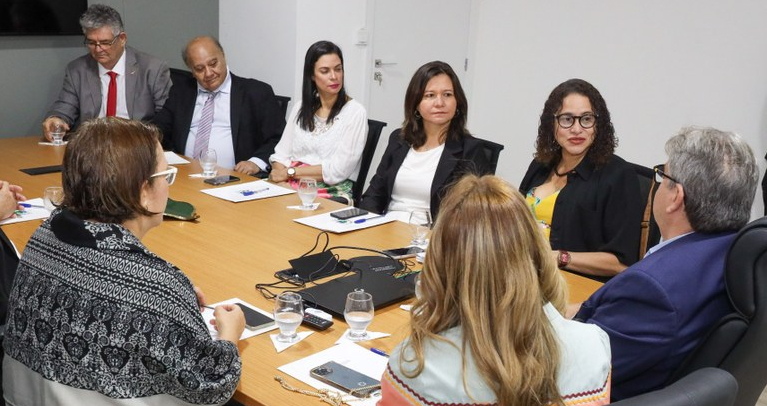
457	112
417	115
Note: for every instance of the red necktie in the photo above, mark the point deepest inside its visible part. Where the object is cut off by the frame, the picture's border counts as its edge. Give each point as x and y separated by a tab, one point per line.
112	94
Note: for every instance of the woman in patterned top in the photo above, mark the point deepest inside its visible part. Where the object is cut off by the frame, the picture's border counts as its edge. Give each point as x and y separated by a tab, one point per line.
95	317
487	327
326	131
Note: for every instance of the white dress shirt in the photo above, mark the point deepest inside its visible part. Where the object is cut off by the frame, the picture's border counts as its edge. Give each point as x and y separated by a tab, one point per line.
122	104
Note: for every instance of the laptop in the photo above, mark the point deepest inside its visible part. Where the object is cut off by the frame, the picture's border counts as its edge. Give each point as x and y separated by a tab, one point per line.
385	289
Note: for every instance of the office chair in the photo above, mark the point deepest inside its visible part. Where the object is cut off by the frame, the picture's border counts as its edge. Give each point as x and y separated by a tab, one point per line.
704	387
492	152
736	343
178	75
650	233
283	102
374	133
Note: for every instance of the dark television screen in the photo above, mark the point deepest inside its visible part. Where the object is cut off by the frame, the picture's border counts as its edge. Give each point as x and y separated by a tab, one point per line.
41	17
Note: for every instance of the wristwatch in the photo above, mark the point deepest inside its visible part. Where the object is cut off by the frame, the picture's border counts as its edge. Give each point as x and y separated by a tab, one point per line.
563	259
291	173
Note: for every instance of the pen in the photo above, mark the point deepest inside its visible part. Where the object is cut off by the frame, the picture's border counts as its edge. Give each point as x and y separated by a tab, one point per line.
360	221
28	205
252	192
379	352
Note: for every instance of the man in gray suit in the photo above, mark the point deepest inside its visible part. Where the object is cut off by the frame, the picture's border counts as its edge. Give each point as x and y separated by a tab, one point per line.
111	80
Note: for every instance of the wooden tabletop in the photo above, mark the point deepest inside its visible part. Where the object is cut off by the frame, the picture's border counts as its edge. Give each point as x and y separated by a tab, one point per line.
232	247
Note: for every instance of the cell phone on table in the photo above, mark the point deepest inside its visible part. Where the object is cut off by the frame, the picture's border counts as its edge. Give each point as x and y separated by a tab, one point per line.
348	213
346	379
402	253
253	319
220	180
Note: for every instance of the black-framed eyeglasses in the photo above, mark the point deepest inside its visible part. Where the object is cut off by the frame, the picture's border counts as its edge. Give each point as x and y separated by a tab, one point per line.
103	44
169	174
567	120
659	174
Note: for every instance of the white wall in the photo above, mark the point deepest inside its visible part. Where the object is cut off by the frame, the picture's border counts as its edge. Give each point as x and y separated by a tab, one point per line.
267	39
660	65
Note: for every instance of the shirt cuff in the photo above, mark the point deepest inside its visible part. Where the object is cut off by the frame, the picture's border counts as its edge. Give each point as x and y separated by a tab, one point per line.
260	163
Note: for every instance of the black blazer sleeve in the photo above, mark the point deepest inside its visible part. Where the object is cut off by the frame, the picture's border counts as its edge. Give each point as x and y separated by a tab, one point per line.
257	120
378	194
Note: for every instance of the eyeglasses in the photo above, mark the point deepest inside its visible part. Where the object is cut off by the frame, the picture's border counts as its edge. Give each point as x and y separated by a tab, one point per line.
103	44
567	120
659	175
170	174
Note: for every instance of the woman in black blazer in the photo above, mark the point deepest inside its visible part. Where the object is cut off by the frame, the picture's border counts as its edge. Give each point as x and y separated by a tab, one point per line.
431	150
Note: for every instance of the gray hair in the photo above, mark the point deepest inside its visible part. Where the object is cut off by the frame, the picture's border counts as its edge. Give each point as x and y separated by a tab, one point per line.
100	15
718	173
185	50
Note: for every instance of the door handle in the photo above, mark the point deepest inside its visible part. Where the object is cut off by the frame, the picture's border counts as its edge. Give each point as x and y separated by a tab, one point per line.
379	63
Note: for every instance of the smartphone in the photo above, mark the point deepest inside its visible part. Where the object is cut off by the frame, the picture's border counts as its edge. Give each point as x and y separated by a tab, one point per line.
348	213
406	252
220	180
346	379
253	319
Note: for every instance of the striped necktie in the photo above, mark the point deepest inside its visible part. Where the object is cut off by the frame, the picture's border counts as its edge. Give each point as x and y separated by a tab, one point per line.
206	124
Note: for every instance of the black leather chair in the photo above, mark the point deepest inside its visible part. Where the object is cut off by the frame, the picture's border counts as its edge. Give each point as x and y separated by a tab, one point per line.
283	102
492	152
650	233
704	387
764	190
738	341
179	74
374	133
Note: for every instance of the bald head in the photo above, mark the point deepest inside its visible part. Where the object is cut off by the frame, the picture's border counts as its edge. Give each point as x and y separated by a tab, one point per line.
205	58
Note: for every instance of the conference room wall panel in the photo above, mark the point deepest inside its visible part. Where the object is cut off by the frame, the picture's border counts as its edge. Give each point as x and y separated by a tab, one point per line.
33	67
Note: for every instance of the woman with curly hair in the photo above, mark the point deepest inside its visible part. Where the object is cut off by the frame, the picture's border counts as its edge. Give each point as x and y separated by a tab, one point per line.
487	326
584	196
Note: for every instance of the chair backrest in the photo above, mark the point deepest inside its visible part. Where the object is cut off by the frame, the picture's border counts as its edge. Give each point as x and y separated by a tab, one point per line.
283	102
492	152
177	75
736	343
650	233
704	387
374	133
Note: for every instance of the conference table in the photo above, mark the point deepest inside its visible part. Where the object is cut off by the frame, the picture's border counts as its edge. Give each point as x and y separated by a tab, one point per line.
232	247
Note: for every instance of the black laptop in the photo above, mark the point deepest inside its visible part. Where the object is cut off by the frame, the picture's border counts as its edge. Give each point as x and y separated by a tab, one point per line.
330	296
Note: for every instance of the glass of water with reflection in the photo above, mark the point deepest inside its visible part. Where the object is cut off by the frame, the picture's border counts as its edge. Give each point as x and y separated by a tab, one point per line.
358	314
307	192
208	161
288	314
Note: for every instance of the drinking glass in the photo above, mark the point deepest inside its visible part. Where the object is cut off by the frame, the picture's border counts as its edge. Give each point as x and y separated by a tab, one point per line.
288	314
58	134
358	314
208	160
420	224
53	197
307	192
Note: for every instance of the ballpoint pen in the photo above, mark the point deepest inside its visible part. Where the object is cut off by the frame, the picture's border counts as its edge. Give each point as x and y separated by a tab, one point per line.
360	221
28	205
379	352
252	192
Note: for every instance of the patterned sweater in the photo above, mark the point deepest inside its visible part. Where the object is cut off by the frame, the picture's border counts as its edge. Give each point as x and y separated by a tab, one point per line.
93	309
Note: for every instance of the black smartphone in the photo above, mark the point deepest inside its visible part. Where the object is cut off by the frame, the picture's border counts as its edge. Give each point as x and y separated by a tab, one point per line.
253	319
220	180
406	252
346	379
348	213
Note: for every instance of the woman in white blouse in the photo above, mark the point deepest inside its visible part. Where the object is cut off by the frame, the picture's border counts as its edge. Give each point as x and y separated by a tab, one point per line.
431	150
326	131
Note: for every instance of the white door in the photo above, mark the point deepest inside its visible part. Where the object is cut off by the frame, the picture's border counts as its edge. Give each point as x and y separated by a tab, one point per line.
405	35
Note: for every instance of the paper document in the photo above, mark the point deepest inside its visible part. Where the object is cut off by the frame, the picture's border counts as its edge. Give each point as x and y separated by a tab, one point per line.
243	192
36	211
174	159
328	223
352	356
207	314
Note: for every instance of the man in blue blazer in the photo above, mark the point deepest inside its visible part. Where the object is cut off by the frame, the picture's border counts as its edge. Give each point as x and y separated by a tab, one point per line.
659	309
247	121
141	81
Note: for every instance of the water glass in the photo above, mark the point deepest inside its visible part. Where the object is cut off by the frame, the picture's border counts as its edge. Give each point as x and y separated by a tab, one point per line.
420	224
307	192
52	197
358	314
288	314
208	160
57	134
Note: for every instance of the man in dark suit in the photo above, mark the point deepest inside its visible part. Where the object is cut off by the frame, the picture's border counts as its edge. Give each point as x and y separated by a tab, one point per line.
139	82
660	308
239	118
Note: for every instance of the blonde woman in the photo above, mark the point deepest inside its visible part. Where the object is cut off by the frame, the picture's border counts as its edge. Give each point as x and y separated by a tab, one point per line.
488	326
